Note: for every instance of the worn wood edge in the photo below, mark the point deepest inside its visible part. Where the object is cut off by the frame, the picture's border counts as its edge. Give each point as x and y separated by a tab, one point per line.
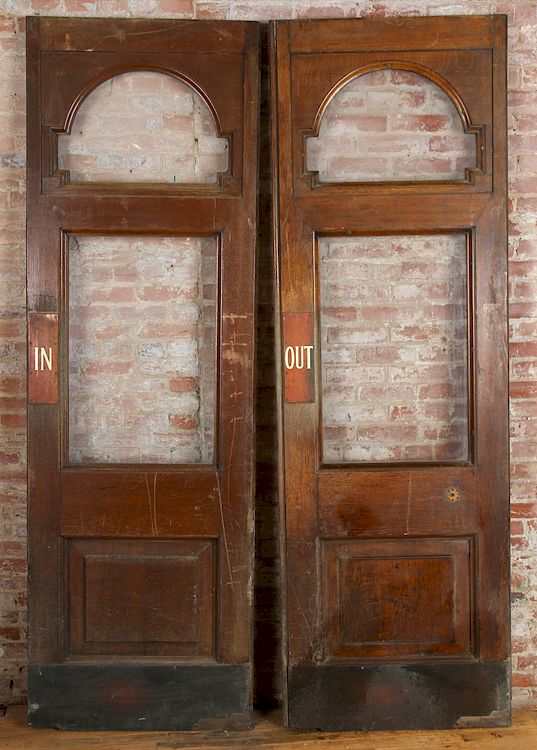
273	65
268	733
98	34
307	35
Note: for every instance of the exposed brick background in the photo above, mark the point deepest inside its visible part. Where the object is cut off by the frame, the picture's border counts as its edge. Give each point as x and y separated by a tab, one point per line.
143	127
391	124
393	348
142	349
523	270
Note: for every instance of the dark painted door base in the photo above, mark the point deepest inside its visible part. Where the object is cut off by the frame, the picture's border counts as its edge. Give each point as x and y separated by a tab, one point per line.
435	696
130	697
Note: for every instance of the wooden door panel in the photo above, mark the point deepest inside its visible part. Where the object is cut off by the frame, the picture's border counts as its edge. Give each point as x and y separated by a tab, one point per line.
173	614
370	502
411	34
141	558
396	566
363	213
125	502
183	36
398	584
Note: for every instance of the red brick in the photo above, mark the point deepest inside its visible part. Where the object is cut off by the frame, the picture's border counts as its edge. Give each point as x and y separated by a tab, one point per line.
108	368
375	124
176	7
524	680
524	510
183	385
13	420
517	528
10	634
169	331
403	413
523	349
523	390
337	433
10	328
184	423
114	294
417	123
388	434
522	310
340	313
12	385
9	458
527	662
522	269
156	293
418	452
447	451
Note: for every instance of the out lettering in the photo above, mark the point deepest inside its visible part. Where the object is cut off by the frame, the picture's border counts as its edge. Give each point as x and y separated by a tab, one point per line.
298	357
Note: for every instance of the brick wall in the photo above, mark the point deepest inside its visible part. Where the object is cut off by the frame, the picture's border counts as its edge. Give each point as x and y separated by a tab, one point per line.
391	125
393	335
141	365
143	127
523	271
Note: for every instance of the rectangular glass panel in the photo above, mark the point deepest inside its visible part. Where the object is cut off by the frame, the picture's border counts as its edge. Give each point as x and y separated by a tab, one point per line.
142	345
394	348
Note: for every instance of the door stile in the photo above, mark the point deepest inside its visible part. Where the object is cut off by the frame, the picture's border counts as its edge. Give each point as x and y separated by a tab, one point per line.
44	520
277	72
297	421
492	420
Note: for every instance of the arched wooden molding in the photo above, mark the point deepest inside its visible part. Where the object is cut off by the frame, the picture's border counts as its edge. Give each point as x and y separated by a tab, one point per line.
143	126
419	130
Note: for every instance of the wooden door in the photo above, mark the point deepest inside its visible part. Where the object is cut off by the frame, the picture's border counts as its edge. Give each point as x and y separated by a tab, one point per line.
141	342
393	364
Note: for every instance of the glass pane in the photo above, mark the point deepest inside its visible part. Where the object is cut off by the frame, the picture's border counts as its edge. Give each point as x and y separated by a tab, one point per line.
142	343
394	348
143	127
391	125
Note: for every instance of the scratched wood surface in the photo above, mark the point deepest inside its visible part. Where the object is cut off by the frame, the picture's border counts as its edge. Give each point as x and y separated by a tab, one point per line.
353	610
137	522
268	734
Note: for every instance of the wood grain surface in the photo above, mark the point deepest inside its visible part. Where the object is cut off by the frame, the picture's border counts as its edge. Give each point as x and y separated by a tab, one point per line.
360	538
186	526
268	734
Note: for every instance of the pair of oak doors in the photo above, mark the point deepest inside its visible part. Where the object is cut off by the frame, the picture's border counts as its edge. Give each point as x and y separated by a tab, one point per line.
391	359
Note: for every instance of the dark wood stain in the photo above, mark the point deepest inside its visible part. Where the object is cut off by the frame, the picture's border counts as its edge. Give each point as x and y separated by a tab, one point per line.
91	525
367	541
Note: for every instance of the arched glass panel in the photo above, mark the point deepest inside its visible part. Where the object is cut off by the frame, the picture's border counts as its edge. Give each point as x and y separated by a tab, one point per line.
143	127
391	125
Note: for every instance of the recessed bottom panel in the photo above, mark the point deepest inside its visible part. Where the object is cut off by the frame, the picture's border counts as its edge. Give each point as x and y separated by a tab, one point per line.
398	598
421	696
141	597
100	697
